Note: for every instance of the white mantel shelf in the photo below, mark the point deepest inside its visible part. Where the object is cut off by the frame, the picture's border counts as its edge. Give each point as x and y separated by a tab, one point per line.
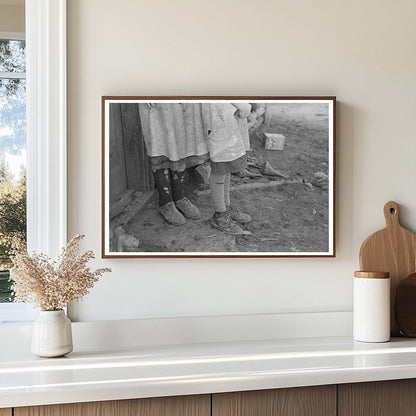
151	371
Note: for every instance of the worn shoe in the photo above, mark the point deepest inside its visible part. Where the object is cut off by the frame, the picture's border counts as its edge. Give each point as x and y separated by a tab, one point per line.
188	209
171	214
237	215
223	222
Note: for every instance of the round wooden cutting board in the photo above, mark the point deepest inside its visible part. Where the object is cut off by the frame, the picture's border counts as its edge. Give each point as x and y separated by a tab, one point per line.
393	250
405	305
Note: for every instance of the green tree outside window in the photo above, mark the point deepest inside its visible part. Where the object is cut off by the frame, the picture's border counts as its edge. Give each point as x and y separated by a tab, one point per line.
12	156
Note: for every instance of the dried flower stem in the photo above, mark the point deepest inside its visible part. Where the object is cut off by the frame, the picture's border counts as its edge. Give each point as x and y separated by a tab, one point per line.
53	285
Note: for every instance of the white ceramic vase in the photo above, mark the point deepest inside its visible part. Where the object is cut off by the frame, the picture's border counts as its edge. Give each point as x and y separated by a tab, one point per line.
52	334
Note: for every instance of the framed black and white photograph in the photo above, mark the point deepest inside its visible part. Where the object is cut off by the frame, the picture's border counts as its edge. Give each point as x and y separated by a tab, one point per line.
218	176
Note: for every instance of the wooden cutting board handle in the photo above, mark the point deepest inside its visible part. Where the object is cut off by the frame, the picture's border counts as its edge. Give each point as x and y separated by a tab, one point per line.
393	250
391	214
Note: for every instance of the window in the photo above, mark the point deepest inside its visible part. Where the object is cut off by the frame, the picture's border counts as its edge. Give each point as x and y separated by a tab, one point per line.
12	165
12	154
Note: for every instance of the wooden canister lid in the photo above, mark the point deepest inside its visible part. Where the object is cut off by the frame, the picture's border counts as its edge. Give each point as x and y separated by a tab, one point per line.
372	275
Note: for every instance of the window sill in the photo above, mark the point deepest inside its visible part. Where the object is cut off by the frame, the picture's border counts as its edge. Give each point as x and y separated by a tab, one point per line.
16	313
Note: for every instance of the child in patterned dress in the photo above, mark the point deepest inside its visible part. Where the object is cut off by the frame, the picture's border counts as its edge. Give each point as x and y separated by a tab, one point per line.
174	139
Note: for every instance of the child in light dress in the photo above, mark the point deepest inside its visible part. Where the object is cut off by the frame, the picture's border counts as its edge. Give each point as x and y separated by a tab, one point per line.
226	128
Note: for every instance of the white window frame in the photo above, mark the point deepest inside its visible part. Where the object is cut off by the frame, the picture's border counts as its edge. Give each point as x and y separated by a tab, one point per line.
15	312
46	134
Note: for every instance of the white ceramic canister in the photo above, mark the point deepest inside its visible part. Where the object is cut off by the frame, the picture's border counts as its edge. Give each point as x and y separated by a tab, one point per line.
371	310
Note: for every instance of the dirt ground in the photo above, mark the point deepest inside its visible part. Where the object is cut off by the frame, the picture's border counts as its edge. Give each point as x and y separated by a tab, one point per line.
287	218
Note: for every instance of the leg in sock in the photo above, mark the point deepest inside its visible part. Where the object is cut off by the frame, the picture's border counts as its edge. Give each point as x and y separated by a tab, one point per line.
217	185
236	214
166	206
222	219
163	186
178	181
227	184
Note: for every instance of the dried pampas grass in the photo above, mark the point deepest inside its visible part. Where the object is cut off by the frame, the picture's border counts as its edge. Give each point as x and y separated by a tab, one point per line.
53	285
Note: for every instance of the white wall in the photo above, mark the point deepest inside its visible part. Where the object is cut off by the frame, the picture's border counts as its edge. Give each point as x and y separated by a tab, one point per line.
361	51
